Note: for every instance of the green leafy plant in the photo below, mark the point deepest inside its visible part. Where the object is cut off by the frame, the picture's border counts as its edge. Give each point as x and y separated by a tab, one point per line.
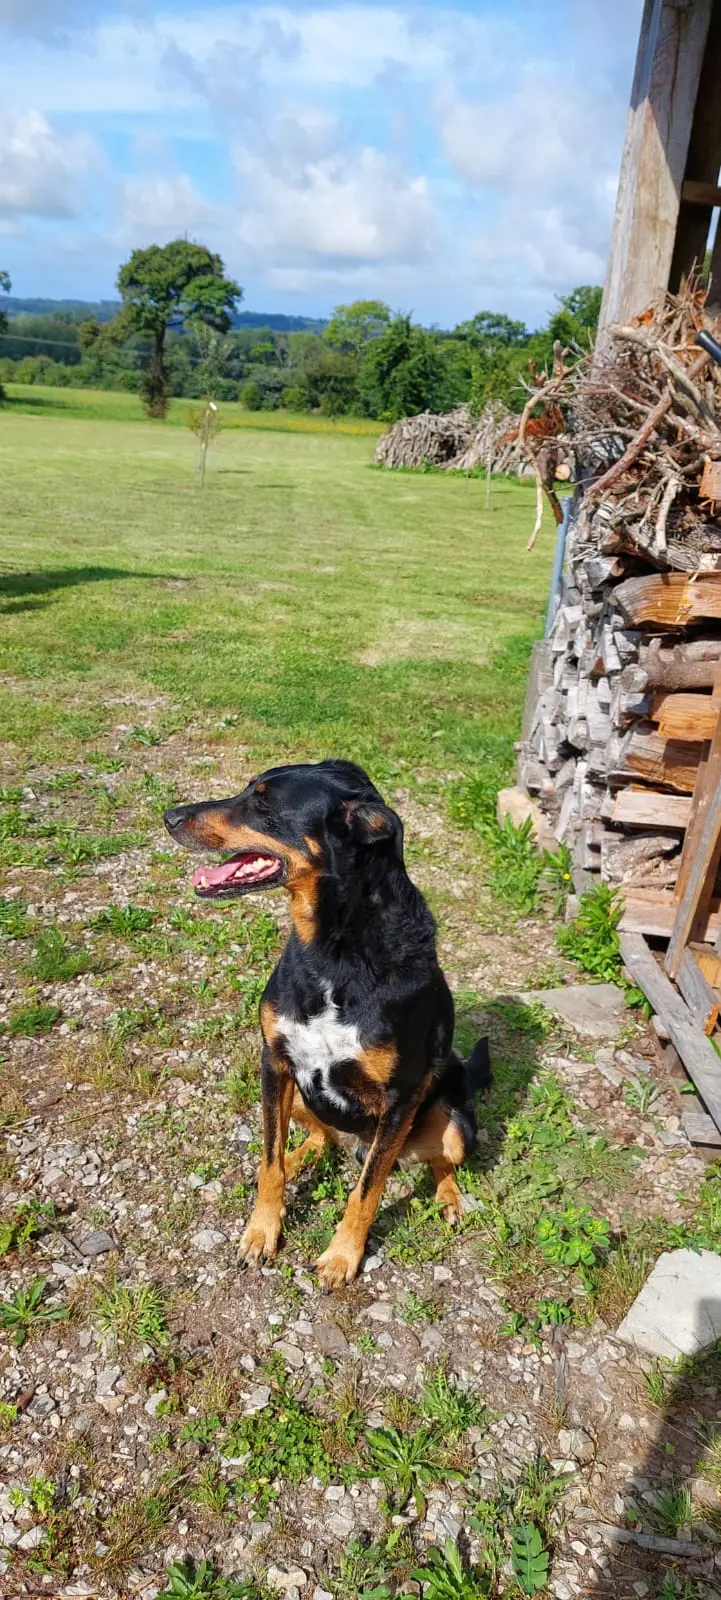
558	876
188	1580
284	1442
573	1237
30	1219
133	1312
14	921
592	939
674	1508
530	1558
408	1462
414	1308
641	1094
55	959
452	1408
32	1020
445	1579
8	1415
25	1312
124	921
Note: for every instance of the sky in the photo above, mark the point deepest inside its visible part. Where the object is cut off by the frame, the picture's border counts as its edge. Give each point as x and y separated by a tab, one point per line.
446	158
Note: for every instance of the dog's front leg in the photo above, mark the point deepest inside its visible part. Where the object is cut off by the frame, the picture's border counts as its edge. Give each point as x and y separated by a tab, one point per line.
260	1240
340	1262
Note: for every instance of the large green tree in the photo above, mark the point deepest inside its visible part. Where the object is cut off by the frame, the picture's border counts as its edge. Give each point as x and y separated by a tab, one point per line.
351	327
7	286
171	286
400	373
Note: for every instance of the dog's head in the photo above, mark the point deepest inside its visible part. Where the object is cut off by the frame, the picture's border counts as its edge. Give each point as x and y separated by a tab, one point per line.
289	828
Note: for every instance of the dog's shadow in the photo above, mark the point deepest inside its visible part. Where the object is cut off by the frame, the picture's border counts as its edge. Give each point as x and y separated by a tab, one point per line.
409	1228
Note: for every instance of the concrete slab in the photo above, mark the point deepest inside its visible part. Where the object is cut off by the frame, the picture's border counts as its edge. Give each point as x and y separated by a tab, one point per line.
678	1312
595	1009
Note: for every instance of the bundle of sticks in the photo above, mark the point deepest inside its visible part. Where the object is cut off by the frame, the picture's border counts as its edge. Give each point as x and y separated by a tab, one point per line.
460	441
629	685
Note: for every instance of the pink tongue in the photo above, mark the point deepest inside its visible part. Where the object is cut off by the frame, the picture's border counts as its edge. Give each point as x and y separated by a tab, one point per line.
212	877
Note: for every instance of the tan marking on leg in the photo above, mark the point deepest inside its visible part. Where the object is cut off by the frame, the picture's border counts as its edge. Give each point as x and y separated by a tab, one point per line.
319	1136
262	1235
340	1262
439	1141
448	1195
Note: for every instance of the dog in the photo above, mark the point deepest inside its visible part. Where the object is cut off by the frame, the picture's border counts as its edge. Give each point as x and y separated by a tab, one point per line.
357	1018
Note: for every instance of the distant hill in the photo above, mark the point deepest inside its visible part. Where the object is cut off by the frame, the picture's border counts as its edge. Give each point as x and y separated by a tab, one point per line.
104	310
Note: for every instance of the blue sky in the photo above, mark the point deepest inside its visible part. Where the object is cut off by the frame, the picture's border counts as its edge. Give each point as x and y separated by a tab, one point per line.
445	158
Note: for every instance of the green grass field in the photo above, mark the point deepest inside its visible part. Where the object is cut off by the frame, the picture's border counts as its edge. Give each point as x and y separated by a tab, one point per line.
109	406
325	605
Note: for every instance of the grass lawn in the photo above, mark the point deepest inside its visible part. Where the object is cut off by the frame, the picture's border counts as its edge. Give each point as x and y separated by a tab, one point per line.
115	406
328	606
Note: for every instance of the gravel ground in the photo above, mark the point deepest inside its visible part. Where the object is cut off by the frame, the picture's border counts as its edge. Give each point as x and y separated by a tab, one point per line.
127	1131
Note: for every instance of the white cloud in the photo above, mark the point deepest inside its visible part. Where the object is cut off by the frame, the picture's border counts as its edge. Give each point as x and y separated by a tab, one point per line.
162	208
39	167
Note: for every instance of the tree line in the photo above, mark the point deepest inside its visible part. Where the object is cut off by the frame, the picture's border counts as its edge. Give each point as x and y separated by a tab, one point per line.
173	335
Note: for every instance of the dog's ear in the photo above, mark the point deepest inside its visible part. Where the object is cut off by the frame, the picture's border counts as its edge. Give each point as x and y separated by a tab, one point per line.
372	822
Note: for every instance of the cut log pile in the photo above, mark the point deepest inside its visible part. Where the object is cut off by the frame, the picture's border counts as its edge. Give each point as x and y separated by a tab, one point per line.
623	746
459	441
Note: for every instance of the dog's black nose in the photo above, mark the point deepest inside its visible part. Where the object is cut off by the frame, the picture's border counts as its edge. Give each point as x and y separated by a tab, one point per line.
174	817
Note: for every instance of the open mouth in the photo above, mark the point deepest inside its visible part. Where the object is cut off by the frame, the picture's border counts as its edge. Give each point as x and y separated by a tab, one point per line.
248	869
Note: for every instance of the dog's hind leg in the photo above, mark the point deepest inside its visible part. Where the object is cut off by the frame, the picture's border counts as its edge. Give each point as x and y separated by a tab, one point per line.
438	1139
318	1140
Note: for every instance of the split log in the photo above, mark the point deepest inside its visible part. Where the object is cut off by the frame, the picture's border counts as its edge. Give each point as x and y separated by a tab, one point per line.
670	600
647	859
645	808
696	1051
668	762
684	716
690	665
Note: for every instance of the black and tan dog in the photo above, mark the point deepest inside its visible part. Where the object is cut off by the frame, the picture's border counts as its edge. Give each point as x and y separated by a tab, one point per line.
357	1018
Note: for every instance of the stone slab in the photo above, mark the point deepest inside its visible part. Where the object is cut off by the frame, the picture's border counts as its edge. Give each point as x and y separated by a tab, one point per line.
595	1009
678	1312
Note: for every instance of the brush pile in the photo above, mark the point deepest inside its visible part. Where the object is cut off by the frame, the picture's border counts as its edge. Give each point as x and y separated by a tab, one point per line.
457	441
630	683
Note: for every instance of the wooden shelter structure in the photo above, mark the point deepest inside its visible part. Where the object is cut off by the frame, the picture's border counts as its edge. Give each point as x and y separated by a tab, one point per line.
622	733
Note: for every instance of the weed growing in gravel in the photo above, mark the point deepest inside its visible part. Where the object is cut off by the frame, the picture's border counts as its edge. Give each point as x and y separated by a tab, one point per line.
413	1309
187	1580
55	959
132	1528
673	1509
640	1094
444	1578
573	1237
8	1415
408	1463
124	921
519	1523
284	1441
29	1219
29	1021
242	1084
132	1312
14	920
369	1571
25	1312
450	1407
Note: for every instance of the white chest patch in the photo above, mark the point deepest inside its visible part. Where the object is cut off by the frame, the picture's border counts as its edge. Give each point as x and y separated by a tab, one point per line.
316	1046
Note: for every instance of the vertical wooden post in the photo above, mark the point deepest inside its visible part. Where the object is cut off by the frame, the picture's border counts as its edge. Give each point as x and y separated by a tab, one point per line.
663	101
704	158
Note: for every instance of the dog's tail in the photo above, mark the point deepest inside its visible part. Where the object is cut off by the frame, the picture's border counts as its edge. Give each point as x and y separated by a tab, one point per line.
478	1069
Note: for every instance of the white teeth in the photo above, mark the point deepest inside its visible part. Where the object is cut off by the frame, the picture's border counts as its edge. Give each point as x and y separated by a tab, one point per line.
202	881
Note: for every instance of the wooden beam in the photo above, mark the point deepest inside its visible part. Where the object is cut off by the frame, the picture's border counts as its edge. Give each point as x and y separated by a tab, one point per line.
696	1051
685	716
663	100
700	1129
670	599
703	1004
700	193
701	855
646	808
653	913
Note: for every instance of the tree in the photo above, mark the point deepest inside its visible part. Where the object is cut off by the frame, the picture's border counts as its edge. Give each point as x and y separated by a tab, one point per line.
7	286
576	321
492	328
400	372
168	286
351	327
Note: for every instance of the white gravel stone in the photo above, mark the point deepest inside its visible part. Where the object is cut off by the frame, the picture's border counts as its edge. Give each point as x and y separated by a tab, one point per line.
154	1400
257	1400
279	1580
32	1539
208	1240
290	1353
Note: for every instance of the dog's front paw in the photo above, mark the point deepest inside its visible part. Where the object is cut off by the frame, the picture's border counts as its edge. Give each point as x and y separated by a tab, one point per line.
261	1237
450	1200
340	1262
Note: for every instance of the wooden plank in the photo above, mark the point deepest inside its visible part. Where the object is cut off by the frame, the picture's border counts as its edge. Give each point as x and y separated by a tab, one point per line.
645	808
701	194
709	962
702	852
696	1051
653	912
669	599
703	1004
670	762
663	100
684	716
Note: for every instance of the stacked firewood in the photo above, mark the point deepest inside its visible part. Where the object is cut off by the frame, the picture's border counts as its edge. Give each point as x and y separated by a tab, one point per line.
460	441
629	689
